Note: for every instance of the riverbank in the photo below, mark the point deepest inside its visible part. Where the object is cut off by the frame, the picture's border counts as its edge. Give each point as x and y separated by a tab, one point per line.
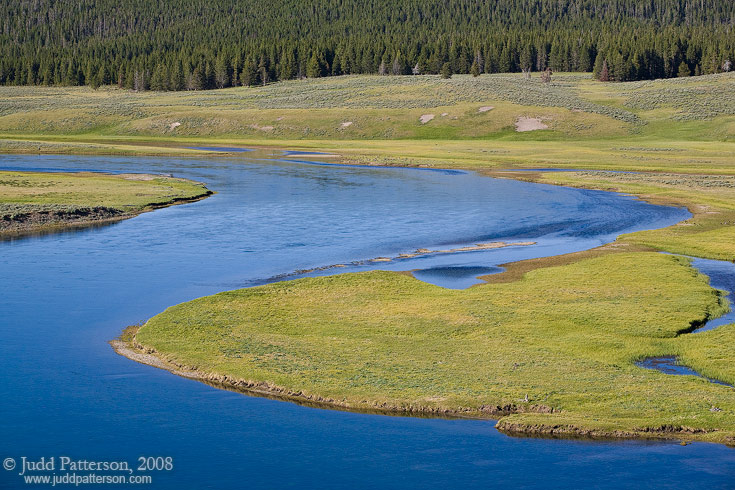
46	202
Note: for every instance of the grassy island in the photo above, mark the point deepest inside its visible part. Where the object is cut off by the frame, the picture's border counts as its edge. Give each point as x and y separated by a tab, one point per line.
33	202
551	352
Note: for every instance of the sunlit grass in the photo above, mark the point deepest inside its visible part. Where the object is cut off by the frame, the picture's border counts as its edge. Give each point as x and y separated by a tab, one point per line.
562	337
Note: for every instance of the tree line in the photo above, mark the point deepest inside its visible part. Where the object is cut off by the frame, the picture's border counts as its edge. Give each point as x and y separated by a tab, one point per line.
198	44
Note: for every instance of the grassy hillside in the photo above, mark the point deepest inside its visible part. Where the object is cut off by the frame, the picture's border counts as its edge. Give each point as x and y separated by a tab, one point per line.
681	125
572	106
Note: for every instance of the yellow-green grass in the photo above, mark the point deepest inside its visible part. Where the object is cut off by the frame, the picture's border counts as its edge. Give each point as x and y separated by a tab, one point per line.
561	339
30	201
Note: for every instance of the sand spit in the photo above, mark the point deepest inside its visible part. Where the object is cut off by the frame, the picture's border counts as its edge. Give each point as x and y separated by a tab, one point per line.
418	252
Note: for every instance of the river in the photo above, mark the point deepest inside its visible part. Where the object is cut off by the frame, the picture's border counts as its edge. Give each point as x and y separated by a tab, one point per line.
64	296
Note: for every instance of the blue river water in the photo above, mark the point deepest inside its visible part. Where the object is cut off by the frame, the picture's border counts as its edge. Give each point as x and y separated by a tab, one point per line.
63	296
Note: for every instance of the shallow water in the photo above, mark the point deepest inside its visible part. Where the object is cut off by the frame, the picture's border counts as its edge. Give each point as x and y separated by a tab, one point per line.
65	392
670	365
721	276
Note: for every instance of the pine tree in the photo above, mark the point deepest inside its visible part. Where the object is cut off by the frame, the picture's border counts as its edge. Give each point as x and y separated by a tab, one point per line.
159	78
597	69
197	79
684	70
263	73
313	70
446	71
177	81
475	69
129	78
526	59
94	80
221	73
249	76
287	68
102	76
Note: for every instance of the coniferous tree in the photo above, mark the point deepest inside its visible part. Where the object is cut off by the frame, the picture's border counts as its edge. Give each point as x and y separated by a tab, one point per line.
221	73
446	71
604	72
475	69
177	80
313	70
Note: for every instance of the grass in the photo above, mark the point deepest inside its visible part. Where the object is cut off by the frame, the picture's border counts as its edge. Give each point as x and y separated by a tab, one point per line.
561	339
31	201
592	125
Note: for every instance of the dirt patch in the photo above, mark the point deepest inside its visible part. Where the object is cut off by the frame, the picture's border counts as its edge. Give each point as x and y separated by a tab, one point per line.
174	125
346	124
426	118
530	124
485	108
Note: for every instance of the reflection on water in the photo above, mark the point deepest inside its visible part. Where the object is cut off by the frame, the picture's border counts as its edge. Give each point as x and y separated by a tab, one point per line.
62	297
67	229
458	277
